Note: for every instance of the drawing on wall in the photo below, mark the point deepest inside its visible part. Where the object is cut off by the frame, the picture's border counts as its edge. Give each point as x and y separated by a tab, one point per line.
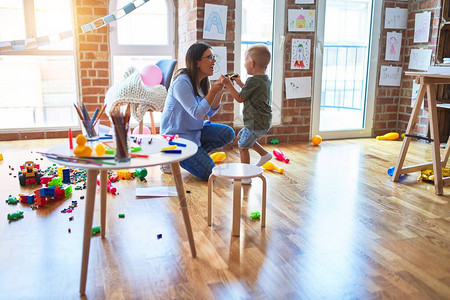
298	87
220	66
304	1
390	76
419	59
301	19
393	45
414	93
215	24
396	18
422	27
300	53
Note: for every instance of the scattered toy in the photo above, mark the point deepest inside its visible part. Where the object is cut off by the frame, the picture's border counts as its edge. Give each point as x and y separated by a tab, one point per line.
159	236
95	230
12	200
15	216
255	215
121	215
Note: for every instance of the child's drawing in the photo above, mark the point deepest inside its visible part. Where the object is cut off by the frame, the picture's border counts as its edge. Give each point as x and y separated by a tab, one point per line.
420	59
215	24
298	87
414	93
390	76
422	27
393	45
300	53
396	18
301	19
221	62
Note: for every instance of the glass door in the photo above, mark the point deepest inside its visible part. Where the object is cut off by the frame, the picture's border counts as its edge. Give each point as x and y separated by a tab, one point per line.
346	62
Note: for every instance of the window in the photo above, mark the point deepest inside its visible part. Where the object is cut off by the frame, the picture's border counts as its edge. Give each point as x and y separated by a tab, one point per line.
261	22
37	85
142	38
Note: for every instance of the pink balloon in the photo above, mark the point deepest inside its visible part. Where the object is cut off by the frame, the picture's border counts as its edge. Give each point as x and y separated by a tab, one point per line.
145	130
151	75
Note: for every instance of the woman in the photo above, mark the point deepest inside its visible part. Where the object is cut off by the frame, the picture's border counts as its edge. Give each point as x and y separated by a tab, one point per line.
190	98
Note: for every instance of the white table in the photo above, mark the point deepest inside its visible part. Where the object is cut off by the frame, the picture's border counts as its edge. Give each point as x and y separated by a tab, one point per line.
155	158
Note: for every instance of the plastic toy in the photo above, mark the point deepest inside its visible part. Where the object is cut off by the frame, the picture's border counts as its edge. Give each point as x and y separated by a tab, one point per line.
316	140
145	130
151	75
15	216
390	136
29	174
159	236
140	173
218	156
121	215
1	156
390	171
95	230
12	200
81	149
109	187
255	215
271	167
274	141
280	155
100	149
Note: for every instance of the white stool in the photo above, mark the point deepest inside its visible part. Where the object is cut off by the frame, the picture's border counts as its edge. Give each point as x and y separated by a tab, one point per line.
237	171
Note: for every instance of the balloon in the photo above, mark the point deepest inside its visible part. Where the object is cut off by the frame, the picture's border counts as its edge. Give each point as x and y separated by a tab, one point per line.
151	75
145	130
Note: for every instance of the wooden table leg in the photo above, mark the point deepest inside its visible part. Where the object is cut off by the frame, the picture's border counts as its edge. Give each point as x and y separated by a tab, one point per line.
409	130
89	213
183	205
434	131
103	189
264	196
236	227
210	192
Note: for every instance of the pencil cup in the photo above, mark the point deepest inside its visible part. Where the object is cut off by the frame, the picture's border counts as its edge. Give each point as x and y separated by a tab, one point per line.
121	152
91	133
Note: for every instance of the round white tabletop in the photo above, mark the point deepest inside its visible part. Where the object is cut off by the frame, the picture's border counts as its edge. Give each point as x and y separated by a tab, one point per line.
237	170
153	150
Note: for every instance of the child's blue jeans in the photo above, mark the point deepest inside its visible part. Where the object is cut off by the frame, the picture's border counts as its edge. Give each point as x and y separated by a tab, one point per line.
212	137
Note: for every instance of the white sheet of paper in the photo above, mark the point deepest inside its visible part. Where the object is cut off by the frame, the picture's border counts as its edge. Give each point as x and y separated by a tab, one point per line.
396	18
390	76
414	93
221	62
301	19
304	1
422	27
393	45
298	87
215	22
300	53
420	59
157	191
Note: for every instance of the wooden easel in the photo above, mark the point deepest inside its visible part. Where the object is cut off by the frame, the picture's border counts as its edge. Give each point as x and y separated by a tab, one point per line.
427	83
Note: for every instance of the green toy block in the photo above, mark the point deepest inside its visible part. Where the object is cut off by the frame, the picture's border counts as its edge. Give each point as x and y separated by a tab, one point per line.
255	215
15	216
95	230
12	200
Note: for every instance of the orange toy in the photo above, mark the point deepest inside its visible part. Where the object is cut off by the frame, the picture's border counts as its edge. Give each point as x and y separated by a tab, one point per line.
316	140
390	136
81	149
272	167
218	156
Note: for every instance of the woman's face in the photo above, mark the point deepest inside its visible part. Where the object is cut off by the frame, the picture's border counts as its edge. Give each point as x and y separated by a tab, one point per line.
205	66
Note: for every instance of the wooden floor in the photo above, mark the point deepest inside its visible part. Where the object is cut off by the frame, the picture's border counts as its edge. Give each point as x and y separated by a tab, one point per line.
337	228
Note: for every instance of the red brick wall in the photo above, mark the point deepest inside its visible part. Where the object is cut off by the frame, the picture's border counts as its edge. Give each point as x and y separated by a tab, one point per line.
393	104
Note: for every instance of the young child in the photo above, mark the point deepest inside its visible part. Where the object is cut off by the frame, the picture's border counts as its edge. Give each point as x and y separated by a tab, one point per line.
255	95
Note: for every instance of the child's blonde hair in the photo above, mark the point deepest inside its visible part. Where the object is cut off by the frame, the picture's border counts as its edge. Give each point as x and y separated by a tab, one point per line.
260	54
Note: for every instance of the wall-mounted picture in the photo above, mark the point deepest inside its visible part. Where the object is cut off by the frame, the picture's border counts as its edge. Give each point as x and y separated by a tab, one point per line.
215	24
221	62
390	76
300	53
301	19
422	27
393	45
298	87
420	59
395	18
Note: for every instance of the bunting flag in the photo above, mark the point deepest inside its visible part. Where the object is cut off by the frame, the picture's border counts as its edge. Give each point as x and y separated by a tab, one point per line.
34	43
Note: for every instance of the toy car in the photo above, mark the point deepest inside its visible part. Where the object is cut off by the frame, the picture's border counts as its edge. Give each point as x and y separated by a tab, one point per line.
30	174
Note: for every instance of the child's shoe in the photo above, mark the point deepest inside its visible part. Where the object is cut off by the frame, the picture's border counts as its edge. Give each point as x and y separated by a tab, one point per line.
264	159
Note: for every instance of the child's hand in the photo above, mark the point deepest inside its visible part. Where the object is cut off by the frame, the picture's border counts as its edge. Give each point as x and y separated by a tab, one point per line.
226	81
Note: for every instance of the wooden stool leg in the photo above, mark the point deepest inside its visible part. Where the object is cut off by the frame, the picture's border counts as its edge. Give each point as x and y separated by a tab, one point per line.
236	207
103	189
210	191
438	184
264	194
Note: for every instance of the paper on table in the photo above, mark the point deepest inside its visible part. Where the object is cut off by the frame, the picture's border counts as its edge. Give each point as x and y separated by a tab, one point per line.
157	191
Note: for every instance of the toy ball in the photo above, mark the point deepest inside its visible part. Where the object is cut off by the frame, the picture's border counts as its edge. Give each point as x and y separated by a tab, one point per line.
151	75
316	140
145	130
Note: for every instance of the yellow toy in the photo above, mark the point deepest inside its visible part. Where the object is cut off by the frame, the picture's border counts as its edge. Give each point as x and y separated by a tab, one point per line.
81	149
316	140
271	166
390	136
428	175
100	149
1	156
218	157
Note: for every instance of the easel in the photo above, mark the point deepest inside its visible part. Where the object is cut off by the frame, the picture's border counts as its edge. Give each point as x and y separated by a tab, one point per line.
427	83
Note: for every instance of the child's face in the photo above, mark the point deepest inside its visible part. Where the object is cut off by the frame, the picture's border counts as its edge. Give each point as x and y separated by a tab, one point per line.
248	63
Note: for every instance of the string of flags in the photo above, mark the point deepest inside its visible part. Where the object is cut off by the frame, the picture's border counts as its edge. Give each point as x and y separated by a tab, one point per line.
34	43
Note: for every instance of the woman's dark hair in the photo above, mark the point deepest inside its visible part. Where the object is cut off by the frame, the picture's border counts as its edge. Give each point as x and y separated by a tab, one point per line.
194	54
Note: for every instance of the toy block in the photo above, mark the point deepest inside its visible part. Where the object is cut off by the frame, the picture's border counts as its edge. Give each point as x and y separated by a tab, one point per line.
66	175
56	181
67	189
48	192
46	179
59	193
